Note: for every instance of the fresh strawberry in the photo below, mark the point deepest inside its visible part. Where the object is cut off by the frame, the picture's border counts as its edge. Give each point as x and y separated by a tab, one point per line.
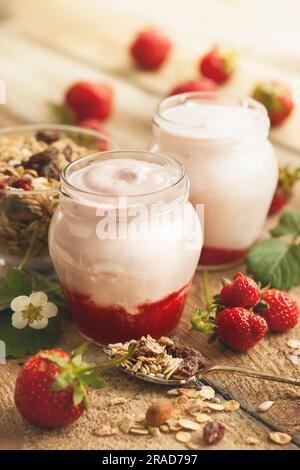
217	65
51	387
150	49
90	100
204	84
287	178
241	292
280	311
96	125
277	98
239	328
22	183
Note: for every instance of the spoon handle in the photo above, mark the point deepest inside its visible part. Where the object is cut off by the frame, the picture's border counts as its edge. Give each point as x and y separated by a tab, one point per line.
251	373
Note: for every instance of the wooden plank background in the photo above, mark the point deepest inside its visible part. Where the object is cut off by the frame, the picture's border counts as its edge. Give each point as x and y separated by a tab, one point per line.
46	45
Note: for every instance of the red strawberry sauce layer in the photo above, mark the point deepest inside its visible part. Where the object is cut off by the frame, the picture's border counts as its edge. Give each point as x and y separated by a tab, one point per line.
113	324
218	256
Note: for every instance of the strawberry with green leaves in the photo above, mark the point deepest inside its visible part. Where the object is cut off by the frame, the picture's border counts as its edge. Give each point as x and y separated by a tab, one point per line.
51	388
218	65
277	98
236	326
287	179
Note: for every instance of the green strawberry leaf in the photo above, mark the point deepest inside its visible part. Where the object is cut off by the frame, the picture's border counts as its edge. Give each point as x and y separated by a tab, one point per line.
15	283
19	343
276	263
63	381
52	289
93	381
62	113
289	224
79	394
203	321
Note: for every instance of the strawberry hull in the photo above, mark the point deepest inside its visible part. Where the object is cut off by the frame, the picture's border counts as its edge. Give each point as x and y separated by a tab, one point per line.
221	256
112	323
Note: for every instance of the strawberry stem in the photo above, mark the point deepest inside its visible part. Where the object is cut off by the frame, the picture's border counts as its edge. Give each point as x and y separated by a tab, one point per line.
206	289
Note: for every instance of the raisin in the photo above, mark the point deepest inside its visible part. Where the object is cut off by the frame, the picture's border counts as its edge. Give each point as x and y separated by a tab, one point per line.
213	432
178	350
47	136
42	163
68	151
188	368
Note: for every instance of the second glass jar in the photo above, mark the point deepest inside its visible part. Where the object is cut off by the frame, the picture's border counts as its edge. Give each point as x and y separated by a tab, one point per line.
223	143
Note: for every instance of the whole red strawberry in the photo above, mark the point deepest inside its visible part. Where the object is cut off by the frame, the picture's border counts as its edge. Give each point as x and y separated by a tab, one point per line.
51	387
96	125
34	395
282	311
205	84
277	98
287	178
217	65
239	328
241	292
90	100
150	49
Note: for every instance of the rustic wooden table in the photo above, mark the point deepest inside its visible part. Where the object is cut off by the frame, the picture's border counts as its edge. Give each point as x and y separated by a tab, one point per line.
43	50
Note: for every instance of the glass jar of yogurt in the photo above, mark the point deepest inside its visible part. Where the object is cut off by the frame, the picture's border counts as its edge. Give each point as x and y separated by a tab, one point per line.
223	143
125	243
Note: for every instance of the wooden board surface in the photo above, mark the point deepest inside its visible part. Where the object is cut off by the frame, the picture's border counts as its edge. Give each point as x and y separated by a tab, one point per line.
37	63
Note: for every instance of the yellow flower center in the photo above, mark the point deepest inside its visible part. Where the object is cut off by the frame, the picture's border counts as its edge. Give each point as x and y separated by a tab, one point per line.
32	313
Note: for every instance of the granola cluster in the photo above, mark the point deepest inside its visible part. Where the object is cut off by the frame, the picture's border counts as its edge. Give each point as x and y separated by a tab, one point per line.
164	358
31	163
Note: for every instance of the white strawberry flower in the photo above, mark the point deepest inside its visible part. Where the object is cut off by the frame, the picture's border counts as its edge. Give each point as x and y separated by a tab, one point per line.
33	310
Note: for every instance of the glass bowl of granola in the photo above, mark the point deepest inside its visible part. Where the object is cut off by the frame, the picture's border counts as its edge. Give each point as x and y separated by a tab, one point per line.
31	160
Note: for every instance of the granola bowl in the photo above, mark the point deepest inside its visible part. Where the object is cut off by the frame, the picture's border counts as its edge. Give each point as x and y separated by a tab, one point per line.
31	160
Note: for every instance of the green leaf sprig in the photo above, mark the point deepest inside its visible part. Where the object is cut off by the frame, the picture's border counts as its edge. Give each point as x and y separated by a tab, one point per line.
17	282
204	318
79	374
276	261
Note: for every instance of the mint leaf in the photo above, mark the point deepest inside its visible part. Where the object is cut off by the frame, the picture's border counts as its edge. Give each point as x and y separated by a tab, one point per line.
276	263
15	283
19	343
289	224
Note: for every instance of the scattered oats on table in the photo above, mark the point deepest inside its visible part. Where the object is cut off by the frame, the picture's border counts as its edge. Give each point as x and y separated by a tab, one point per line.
280	438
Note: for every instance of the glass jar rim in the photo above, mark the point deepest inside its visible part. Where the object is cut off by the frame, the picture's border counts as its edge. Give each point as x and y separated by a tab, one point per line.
261	121
117	154
22	128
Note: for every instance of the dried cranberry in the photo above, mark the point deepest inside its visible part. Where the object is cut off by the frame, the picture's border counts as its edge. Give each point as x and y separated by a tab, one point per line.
2	185
22	183
47	136
213	432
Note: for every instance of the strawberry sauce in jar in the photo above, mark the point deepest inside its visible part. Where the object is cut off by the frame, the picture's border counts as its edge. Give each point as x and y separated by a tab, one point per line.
223	143
125	243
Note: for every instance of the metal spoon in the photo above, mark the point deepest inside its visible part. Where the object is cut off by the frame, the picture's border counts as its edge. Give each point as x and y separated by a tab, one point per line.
195	381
